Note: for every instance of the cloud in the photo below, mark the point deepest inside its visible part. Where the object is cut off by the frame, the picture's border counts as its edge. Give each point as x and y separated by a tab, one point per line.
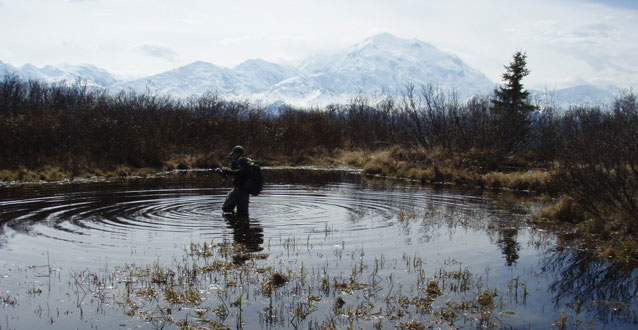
591	41
586	38
158	51
629	4
596	30
5	54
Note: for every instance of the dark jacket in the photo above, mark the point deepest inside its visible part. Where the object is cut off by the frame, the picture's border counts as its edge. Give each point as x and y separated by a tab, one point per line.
240	170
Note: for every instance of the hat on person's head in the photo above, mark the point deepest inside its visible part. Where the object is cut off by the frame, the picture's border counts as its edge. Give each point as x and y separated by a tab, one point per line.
237	150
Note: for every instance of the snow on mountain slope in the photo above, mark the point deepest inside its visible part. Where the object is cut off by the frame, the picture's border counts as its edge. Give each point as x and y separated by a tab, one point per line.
580	95
299	90
89	74
385	63
258	75
381	64
6	68
92	74
189	80
244	81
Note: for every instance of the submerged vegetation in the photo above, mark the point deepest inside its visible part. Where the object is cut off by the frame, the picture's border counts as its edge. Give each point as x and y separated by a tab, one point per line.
447	261
208	289
585	158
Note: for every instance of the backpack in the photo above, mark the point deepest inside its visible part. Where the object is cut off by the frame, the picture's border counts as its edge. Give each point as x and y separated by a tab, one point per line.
255	182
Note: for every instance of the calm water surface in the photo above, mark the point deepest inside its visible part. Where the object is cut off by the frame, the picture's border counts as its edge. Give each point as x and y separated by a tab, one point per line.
319	220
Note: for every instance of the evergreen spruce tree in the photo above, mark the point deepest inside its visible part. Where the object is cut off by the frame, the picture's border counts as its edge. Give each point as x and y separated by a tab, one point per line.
511	107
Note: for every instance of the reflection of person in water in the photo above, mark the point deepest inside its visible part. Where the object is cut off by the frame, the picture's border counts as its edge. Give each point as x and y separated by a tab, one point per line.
245	232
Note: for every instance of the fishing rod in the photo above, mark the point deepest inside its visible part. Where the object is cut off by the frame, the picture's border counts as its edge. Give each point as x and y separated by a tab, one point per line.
221	172
224	175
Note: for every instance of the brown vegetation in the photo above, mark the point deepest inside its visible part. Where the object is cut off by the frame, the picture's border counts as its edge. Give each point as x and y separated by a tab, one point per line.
589	154
598	174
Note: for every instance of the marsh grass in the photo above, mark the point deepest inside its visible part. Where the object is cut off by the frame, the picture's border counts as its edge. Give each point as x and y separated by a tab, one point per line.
574	225
206	288
218	284
52	132
601	219
435	167
54	174
7	300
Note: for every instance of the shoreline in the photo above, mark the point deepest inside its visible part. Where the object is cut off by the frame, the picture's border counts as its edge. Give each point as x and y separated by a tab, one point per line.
607	244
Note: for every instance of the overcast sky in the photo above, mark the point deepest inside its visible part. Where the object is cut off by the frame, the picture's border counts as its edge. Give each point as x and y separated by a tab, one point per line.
565	40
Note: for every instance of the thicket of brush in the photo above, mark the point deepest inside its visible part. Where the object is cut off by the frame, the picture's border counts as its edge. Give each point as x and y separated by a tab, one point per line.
592	151
77	126
598	173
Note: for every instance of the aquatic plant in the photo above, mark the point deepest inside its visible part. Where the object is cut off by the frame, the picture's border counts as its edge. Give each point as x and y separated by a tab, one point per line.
171	293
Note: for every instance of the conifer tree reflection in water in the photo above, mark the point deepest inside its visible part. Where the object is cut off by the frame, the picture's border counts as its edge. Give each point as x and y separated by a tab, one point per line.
507	242
607	291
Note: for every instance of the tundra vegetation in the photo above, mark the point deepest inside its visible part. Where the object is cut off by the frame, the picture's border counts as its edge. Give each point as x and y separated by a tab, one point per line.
584	159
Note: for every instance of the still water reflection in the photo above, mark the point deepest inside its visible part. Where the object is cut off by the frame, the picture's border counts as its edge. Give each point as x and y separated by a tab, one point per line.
318	219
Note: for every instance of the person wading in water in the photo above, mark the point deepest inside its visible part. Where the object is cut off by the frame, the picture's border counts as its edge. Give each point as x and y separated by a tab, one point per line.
241	172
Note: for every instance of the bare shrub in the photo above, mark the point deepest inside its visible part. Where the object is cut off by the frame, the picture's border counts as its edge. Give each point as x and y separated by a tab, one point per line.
599	166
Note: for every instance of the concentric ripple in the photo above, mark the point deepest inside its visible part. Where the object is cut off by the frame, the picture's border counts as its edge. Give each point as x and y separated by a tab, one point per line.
147	221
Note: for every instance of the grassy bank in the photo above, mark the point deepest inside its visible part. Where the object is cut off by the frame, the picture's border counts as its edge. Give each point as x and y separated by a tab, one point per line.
607	237
55	132
396	162
602	221
436	167
55	174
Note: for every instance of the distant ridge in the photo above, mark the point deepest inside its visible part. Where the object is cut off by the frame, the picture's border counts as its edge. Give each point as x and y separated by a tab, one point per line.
580	95
379	64
89	73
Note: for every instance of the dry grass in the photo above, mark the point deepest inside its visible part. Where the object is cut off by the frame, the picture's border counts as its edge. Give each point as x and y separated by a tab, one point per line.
565	211
574	225
354	158
434	167
208	283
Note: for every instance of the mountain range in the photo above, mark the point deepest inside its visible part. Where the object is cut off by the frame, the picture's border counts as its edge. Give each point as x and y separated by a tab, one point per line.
382	64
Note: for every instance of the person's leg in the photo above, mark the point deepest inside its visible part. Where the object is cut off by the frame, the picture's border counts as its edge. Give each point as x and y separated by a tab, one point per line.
232	200
242	203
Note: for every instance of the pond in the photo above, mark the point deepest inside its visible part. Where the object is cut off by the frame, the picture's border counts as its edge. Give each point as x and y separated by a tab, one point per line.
320	249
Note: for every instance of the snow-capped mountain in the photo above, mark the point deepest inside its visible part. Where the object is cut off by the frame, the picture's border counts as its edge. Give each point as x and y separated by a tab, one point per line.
188	80
258	75
89	74
385	63
379	64
247	80
579	95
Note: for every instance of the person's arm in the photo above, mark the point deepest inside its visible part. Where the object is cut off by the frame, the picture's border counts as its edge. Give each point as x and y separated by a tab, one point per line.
241	170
